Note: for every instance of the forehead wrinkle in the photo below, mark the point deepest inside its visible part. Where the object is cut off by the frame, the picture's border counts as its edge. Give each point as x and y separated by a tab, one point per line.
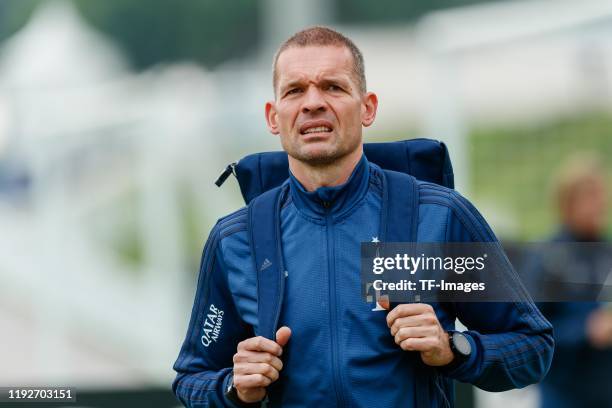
322	76
289	68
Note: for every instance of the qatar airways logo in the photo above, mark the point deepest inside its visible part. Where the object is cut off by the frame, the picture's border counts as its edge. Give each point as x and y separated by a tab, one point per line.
212	326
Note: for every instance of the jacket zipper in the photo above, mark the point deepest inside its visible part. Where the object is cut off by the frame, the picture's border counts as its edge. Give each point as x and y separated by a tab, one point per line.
332	306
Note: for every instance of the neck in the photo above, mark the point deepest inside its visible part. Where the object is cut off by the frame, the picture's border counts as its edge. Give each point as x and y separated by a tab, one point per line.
333	174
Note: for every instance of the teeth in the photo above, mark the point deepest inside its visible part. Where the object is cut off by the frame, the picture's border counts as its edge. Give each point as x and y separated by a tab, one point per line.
318	129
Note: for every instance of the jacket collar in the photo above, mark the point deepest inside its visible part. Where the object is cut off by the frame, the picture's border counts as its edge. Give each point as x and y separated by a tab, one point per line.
332	200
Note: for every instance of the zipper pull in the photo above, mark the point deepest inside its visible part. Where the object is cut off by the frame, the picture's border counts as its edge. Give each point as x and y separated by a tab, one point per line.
228	170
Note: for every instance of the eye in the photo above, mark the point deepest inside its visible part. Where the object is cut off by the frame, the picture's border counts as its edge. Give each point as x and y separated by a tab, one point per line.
293	91
335	88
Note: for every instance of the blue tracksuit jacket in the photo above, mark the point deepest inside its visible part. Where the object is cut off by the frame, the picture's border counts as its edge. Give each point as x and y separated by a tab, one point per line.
341	352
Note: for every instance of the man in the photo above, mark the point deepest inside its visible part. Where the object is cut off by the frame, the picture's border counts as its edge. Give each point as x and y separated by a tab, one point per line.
332	349
580	372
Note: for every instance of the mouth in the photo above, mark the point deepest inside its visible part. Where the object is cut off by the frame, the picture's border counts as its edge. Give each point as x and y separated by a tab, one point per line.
316	127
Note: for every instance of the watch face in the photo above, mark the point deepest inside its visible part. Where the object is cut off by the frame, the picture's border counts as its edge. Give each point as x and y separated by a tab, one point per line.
462	344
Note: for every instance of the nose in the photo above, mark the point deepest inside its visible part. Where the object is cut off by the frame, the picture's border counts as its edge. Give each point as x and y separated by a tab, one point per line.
313	101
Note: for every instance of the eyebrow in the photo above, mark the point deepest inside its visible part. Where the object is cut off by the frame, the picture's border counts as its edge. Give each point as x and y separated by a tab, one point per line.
336	80
325	80
291	84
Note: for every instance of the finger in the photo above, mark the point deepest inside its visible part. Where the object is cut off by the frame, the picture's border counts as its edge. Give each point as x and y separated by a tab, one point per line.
282	335
408	321
260	343
419	344
256	368
423	319
251	381
414	332
407	309
246	356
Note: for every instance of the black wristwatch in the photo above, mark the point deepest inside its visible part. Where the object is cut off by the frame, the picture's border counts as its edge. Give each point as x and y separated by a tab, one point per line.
231	393
460	345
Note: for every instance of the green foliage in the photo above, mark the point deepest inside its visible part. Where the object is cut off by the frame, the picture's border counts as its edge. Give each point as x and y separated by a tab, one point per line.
157	31
206	31
14	14
154	31
513	167
391	11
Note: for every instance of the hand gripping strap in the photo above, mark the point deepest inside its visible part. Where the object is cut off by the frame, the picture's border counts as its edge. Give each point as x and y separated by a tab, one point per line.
266	250
399	223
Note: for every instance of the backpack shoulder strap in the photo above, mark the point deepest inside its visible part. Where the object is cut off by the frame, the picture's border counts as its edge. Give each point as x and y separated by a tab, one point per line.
400	207
263	225
399	223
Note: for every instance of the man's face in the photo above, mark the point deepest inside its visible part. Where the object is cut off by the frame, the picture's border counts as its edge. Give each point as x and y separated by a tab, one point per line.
585	211
319	109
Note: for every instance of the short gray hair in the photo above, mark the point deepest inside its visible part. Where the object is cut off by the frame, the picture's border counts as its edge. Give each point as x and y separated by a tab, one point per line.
323	36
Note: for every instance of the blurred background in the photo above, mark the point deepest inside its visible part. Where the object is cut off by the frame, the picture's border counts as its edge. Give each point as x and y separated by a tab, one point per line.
117	116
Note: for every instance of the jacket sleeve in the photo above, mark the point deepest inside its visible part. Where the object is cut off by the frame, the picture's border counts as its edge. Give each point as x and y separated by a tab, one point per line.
215	329
512	342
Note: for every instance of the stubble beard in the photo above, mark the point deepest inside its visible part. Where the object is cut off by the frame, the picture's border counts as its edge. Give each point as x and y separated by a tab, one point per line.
318	158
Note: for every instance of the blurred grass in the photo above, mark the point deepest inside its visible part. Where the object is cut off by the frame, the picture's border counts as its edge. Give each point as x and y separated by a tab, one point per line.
512	166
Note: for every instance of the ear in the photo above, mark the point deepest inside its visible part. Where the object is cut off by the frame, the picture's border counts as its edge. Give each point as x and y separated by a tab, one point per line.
271	118
368	108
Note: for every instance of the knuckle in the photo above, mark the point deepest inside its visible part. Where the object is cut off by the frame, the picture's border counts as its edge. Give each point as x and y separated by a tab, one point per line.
240	368
269	371
262	380
239	357
259	342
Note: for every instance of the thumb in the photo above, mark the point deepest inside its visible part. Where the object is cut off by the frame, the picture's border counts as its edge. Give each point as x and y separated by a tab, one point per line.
282	336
